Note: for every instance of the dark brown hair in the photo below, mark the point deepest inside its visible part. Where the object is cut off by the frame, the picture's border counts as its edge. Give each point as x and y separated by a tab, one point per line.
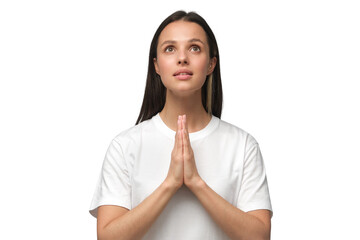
155	91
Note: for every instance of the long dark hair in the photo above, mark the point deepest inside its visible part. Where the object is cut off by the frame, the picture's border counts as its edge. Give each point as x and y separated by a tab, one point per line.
155	91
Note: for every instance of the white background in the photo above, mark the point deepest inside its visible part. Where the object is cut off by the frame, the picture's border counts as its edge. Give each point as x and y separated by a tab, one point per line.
73	76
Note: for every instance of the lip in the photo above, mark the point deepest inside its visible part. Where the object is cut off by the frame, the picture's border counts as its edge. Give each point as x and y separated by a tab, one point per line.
183	71
183	77
180	76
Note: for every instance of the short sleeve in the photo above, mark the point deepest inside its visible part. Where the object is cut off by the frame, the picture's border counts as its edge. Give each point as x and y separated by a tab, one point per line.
254	191
113	186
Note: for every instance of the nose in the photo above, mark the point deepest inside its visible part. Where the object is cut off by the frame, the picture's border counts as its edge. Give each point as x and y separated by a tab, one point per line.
182	58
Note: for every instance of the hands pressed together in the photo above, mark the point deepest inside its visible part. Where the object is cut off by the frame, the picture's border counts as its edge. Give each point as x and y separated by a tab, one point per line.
182	170
182	166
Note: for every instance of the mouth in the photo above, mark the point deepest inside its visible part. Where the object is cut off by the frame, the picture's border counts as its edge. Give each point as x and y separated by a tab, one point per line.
183	72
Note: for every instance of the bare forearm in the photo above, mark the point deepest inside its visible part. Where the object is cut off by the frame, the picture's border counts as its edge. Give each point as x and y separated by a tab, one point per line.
136	222
234	222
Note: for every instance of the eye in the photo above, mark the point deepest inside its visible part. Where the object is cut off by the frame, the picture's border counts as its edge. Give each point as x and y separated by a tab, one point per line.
169	49
195	48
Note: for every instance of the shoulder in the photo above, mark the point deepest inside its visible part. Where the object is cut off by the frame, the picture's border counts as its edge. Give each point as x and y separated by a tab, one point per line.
235	132
132	134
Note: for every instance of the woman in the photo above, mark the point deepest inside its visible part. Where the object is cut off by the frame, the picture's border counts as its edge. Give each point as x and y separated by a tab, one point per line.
181	172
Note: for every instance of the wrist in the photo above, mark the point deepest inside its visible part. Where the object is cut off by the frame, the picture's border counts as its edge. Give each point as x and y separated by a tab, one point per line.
196	184
170	185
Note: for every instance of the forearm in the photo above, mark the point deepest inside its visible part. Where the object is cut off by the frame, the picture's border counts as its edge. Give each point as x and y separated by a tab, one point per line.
234	222
136	222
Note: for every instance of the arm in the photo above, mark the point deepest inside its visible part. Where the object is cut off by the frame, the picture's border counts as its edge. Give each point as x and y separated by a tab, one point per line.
119	223
135	223
234	222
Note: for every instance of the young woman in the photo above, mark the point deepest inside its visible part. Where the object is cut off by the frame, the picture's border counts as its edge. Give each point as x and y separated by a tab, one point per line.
181	172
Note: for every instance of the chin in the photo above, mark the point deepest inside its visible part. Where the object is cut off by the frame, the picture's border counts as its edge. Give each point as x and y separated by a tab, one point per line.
184	92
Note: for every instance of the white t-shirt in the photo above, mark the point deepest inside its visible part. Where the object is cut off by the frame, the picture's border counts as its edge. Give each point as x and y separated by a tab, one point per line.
227	158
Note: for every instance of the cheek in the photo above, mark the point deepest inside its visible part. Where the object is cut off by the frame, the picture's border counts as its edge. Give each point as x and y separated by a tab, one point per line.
164	70
164	65
203	65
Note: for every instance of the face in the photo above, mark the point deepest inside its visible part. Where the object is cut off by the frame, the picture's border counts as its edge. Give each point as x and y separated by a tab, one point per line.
183	59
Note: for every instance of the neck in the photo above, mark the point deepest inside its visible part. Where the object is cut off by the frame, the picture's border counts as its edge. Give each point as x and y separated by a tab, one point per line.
196	116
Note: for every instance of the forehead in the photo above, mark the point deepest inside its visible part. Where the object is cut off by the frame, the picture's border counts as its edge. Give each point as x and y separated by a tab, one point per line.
182	31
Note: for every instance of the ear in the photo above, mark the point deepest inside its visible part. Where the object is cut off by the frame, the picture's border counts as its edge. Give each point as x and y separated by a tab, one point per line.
212	65
156	65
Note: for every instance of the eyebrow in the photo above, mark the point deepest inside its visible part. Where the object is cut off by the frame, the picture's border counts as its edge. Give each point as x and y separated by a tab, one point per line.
190	41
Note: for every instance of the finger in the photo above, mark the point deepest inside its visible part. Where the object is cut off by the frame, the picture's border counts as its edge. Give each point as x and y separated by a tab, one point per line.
185	141
179	137
178	126
186	127
186	131
177	132
184	123
185	134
